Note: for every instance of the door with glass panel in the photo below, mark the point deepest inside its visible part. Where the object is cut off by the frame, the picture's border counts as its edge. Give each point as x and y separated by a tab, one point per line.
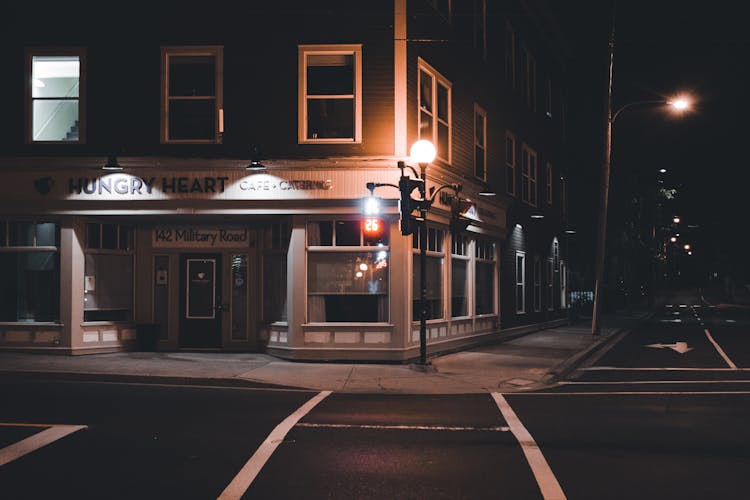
200	300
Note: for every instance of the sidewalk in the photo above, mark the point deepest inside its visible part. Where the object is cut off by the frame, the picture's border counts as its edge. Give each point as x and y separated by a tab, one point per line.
529	362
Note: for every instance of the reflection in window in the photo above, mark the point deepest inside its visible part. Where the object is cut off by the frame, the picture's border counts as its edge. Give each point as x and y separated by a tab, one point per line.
330	93
345	284
193	94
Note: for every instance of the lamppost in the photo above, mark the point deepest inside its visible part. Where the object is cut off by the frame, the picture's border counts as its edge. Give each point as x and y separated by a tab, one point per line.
678	104
422	153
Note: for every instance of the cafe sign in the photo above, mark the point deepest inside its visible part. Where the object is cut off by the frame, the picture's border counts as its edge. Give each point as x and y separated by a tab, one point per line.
198	237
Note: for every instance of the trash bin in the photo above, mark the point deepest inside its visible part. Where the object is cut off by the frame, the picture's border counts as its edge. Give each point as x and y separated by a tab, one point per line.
147	335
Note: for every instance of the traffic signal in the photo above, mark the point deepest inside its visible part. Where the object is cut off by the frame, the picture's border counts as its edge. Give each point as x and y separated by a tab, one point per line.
407	205
462	214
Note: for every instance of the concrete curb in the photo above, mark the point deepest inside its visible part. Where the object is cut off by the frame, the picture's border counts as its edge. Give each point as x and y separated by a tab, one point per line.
588	356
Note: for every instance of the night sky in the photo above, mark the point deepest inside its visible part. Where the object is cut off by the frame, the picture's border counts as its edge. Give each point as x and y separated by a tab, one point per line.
663	47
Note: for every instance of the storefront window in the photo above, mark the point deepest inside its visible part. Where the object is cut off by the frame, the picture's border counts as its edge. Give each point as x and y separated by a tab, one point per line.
485	277
433	275
274	272
30	270
459	277
108	274
343	284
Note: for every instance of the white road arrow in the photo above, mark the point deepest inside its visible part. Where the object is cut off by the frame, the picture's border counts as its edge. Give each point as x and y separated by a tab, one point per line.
680	347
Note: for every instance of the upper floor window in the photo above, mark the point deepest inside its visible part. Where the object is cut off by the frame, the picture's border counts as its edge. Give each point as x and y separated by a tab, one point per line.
510	163
435	110
56	95
548	191
444	7
563	199
480	143
192	102
528	72
510	55
480	27
330	93
529	175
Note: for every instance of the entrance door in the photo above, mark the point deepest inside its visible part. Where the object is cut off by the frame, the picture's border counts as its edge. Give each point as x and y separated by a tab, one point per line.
200	300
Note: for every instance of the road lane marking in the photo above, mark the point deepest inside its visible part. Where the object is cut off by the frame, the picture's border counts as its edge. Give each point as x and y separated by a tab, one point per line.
546	480
250	470
623	382
38	440
654	369
720	350
634	393
406	427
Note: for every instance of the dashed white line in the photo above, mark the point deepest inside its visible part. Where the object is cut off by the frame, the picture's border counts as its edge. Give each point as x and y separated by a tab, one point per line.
38	440
720	350
250	470
545	478
406	427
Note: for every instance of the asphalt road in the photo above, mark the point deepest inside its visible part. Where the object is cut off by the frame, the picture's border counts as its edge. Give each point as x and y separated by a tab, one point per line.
643	422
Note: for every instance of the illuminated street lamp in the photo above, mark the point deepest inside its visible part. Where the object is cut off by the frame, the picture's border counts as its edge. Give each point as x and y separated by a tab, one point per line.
679	104
676	220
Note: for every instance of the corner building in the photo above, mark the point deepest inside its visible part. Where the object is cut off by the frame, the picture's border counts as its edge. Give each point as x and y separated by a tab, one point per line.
206	172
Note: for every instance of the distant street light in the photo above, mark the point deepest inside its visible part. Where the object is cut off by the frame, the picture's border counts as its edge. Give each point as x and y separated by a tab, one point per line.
676	220
679	104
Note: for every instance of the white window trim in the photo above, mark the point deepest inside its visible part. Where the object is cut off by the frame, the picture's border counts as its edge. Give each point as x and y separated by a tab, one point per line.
437	78
480	112
307	50
216	51
511	186
563	285
522	283
56	51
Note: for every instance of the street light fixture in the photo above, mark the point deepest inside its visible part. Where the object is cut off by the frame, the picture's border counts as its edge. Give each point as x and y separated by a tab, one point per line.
422	153
679	104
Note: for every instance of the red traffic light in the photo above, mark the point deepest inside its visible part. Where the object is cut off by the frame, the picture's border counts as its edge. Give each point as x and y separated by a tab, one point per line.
373	228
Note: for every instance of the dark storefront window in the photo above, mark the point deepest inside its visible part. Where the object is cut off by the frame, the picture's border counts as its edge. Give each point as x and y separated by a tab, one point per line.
30	270
108	274
274	272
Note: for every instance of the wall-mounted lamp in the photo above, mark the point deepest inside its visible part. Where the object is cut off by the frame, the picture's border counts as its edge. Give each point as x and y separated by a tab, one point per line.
255	156
112	163
537	216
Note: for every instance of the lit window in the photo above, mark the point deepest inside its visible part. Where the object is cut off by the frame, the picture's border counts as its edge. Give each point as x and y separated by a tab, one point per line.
192	94
347	275
435	110
56	96
330	93
480	142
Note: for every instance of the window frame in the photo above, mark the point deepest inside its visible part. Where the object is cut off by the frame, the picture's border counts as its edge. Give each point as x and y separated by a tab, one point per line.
520	285
480	27
335	248
303	51
80	52
480	114
460	251
435	247
529	79
550	282
510	55
510	163
485	252
437	79
216	51
529	175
